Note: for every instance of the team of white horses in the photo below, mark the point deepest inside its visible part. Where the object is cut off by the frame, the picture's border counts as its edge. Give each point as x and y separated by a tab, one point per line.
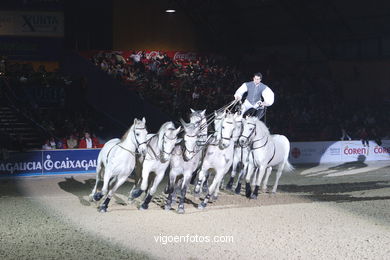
243	145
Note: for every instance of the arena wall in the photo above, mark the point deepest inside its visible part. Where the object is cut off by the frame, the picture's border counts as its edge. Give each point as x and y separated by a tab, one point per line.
81	161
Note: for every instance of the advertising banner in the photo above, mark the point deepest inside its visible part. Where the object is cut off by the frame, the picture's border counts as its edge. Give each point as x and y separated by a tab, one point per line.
341	151
49	162
47	24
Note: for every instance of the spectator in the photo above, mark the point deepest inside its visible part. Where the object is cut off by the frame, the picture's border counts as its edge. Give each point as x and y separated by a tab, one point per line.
46	145
87	142
72	142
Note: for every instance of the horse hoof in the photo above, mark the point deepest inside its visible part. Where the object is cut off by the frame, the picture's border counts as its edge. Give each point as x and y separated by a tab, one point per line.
136	193
214	198
97	196
167	207
143	207
102	209
253	197
180	211
196	192
202	205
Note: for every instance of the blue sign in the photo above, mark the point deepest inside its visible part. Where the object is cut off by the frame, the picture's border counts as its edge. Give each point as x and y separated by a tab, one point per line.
49	162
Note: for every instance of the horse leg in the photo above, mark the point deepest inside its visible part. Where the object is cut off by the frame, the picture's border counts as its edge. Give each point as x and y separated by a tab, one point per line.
213	188
169	190
235	167
120	180
201	180
265	182
99	172
176	190
184	187
144	183
256	183
248	189
229	185
205	186
240	177
278	174
156	182
193	177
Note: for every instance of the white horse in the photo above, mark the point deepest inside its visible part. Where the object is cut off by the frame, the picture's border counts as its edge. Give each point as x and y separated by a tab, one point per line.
117	160
199	117
219	157
184	161
267	151
240	159
213	139
158	154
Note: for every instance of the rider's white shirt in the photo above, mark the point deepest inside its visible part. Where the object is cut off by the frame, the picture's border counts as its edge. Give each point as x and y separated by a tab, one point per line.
268	96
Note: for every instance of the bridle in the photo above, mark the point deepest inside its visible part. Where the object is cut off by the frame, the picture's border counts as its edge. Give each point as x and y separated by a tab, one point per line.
187	150
136	142
162	146
254	132
226	138
135	136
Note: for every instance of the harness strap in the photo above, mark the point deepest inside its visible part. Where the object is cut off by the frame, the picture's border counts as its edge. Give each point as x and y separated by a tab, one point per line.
133	153
261	146
108	154
151	148
272	155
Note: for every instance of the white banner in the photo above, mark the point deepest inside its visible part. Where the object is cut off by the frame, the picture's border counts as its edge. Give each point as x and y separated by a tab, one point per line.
341	151
47	24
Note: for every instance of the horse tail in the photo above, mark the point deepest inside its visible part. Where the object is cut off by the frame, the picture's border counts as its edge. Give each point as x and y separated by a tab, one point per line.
288	167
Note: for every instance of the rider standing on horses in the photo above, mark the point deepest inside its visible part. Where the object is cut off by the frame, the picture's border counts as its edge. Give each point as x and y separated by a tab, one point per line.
259	96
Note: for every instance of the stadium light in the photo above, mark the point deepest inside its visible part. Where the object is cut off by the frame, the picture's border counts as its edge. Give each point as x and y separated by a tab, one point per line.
170	11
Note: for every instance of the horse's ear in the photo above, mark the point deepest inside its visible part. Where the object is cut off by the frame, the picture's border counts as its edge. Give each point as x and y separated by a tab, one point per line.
135	121
193	111
203	112
237	116
178	140
177	130
183	123
144	120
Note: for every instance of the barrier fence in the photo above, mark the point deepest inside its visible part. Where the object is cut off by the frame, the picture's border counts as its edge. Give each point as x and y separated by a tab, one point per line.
81	161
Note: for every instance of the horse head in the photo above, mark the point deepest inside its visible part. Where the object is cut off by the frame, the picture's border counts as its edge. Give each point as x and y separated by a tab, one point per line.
218	117
199	117
140	134
238	127
227	127
167	139
248	131
191	132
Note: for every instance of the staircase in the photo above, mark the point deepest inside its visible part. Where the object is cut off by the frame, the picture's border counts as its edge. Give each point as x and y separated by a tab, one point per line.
15	126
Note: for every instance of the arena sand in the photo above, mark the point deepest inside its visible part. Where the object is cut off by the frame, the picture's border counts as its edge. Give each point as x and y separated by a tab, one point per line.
319	213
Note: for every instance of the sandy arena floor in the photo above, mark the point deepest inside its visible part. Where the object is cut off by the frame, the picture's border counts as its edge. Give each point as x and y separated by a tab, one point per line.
320	212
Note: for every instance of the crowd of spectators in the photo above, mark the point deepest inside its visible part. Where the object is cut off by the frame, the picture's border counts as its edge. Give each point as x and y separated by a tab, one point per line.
203	82
309	106
55	103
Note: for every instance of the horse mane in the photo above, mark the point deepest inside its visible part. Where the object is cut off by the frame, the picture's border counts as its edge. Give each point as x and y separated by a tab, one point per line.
124	137
262	127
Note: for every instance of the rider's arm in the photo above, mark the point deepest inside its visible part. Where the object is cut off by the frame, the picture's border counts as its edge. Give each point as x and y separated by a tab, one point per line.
240	91
268	96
